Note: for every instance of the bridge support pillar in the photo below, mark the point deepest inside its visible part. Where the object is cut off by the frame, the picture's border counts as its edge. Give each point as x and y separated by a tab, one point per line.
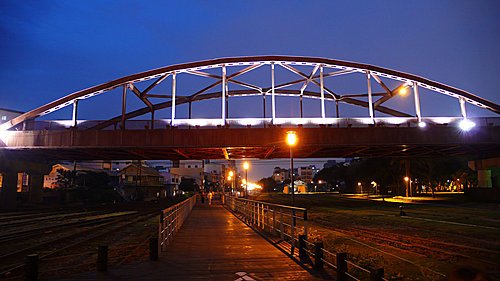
35	188
8	193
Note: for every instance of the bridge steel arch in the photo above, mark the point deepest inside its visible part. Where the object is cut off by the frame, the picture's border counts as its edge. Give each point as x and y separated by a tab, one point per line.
226	137
322	68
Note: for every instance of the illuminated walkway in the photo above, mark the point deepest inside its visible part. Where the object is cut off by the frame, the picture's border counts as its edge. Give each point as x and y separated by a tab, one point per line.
213	245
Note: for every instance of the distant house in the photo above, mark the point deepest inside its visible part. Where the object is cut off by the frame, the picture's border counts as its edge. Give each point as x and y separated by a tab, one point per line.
140	182
8	114
50	180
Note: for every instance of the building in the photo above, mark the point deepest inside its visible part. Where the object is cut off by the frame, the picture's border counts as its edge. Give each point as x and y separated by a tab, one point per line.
307	173
7	114
50	180
141	182
188	169
280	175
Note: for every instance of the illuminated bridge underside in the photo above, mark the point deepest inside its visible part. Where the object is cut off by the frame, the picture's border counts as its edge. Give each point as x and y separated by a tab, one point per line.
224	143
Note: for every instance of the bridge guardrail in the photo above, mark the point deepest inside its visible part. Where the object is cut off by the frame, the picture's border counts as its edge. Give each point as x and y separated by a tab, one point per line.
285	221
290	224
171	220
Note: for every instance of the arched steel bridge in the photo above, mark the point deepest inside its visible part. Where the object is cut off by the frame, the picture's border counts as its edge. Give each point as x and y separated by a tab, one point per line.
384	131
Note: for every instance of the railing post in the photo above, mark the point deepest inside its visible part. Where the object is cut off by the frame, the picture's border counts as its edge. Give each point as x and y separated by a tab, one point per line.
153	248
341	266
281	226
305	223
161	229
292	234
318	256
31	267
102	258
302	247
376	274
274	222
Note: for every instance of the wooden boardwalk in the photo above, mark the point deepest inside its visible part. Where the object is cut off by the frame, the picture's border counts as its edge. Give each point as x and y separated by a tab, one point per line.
213	245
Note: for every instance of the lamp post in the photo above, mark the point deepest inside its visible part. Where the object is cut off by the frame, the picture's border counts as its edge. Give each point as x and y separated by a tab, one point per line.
291	140
246	166
230	178
407	180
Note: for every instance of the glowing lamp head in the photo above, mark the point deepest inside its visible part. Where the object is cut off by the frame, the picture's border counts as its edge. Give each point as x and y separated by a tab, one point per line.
403	91
406	179
359	183
246	165
466	125
229	178
231	174
422	124
291	138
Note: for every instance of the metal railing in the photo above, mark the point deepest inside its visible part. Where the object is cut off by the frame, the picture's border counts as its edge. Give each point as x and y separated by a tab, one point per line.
286	222
171	220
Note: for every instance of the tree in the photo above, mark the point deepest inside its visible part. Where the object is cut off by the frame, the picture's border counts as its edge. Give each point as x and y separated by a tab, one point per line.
188	184
65	178
268	184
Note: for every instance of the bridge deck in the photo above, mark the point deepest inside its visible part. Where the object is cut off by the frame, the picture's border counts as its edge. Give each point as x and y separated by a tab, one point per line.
213	245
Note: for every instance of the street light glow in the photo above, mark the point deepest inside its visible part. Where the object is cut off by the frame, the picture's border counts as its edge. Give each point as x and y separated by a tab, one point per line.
466	125
403	91
231	174
246	165
422	124
291	138
406	179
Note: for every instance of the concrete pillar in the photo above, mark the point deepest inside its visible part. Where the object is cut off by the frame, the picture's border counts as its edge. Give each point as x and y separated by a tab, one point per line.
35	188
8	193
484	178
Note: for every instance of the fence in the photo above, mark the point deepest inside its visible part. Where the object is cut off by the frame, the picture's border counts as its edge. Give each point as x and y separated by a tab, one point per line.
290	225
284	221
171	220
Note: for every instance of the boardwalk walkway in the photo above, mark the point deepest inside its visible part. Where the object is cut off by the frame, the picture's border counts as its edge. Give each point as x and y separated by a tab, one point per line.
213	245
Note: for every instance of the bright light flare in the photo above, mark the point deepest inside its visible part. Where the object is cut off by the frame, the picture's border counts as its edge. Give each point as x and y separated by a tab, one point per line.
466	125
406	179
422	124
253	186
246	165
231	173
403	91
291	138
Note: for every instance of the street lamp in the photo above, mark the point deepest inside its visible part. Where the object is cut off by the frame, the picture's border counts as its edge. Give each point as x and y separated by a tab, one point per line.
407	180
245	167
291	140
230	179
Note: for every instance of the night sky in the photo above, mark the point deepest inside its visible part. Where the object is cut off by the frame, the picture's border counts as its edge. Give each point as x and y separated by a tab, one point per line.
52	48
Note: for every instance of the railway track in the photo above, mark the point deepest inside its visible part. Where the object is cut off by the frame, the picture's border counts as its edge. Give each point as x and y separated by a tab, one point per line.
72	246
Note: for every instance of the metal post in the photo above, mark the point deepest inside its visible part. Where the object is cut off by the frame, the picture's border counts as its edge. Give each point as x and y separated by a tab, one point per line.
318	256
224	94
174	89
152	119
302	247
102	258
124	105
370	102
417	102
291	176
246	184
75	113
301	112
323	115
31	267
264	108
376	274
273	101
153	248
341	266
462	107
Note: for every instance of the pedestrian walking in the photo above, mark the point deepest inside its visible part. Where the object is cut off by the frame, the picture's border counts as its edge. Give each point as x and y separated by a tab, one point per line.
210	195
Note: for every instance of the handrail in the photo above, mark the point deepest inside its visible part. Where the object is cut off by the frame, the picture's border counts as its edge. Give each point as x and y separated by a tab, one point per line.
285	222
171	220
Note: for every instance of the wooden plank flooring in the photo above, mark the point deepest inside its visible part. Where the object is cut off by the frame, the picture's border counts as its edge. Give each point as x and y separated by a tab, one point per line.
213	245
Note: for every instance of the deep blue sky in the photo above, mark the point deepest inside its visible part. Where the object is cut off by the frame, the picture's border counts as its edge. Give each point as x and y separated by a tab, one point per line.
52	48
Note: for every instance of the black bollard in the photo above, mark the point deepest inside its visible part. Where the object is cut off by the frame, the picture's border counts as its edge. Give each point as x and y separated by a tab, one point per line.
102	258
31	268
318	256
341	266
376	274
302	247
153	248
401	212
